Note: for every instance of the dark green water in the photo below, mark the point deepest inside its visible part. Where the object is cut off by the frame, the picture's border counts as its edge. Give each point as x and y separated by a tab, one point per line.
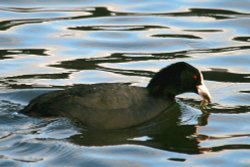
57	44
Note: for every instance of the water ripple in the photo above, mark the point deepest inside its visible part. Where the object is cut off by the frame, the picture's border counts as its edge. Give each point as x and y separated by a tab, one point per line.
51	45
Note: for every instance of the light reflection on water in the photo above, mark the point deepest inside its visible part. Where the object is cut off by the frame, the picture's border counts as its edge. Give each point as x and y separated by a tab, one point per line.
53	45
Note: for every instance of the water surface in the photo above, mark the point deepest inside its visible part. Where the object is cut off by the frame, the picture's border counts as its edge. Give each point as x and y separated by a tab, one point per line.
58	44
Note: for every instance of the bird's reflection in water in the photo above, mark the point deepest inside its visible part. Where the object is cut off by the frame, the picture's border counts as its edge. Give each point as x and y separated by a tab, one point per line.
166	132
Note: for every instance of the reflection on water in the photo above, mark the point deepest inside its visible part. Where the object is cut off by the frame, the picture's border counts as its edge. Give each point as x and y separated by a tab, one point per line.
166	132
52	45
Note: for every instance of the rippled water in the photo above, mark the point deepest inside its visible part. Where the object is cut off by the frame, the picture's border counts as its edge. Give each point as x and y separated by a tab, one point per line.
53	44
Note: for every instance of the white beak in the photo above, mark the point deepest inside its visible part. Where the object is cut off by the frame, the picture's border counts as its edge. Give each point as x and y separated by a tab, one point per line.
204	93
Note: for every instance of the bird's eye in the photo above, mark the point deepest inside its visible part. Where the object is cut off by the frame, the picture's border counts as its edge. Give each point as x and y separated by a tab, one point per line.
195	77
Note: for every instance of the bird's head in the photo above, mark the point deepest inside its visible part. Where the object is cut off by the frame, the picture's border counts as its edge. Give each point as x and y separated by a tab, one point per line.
178	78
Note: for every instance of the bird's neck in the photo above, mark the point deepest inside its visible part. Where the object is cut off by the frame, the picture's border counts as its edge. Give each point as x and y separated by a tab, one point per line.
160	93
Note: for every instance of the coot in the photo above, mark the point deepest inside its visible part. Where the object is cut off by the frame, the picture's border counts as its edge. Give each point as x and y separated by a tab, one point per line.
115	106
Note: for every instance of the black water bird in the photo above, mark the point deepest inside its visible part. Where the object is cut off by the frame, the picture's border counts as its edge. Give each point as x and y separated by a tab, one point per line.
116	106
